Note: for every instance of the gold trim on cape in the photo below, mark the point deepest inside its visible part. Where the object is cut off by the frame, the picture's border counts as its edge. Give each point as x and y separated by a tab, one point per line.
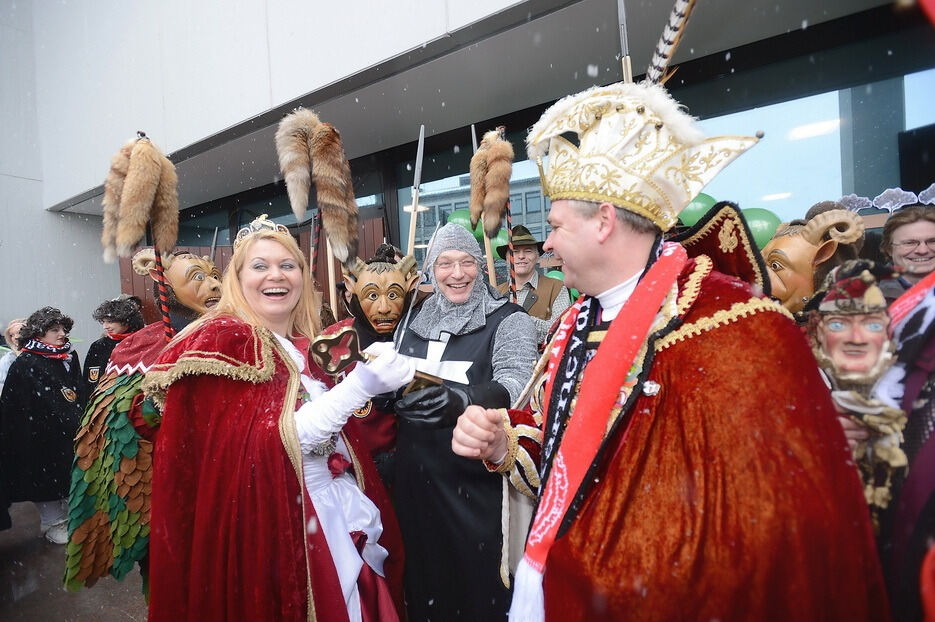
736	311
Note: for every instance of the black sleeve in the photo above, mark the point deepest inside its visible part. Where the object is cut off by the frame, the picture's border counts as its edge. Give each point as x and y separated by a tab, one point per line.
81	385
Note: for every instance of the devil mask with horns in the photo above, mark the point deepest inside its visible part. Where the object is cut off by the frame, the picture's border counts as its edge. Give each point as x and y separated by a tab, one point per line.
380	289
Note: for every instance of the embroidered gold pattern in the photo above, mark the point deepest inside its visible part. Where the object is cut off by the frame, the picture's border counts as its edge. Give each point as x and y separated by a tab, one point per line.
629	158
727	237
512	446
715	223
737	311
195	362
703	267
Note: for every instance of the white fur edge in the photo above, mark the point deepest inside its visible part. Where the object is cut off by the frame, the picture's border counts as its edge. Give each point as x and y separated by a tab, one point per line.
680	124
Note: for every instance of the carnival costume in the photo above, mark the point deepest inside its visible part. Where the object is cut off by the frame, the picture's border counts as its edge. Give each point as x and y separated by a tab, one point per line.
123	310
111	477
910	385
385	285
543	298
255	513
852	289
449	507
40	407
673	485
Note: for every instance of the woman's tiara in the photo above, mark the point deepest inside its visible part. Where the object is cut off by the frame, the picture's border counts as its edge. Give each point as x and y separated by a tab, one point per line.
263	223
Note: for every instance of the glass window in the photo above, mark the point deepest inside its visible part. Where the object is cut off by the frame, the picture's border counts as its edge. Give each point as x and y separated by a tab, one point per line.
197	226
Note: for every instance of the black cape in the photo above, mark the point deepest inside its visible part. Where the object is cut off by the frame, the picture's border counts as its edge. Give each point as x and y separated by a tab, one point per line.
40	408
96	360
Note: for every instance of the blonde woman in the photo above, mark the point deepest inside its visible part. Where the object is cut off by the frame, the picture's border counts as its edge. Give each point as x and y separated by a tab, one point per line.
261	508
9	337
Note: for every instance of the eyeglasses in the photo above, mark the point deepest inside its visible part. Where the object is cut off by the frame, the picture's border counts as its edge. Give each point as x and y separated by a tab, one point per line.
908	245
448	266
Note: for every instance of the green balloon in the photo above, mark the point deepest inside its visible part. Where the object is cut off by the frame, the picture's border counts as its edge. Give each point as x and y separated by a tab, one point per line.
463	217
762	223
696	209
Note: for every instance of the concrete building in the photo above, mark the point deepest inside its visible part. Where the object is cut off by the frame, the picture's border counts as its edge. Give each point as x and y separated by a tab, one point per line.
834	84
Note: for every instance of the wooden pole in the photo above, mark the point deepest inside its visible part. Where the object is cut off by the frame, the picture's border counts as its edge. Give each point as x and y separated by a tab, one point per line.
627	69
332	286
491	271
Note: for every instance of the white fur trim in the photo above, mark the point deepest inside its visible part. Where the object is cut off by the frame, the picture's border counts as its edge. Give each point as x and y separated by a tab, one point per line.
679	123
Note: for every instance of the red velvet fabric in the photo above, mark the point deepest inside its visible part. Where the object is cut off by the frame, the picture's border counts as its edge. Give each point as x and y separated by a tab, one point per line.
729	495
234	534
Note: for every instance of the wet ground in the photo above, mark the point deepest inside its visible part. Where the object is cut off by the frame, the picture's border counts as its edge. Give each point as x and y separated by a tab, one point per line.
31	571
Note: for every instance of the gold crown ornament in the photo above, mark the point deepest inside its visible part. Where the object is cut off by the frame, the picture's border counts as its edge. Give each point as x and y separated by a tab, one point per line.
263	223
637	149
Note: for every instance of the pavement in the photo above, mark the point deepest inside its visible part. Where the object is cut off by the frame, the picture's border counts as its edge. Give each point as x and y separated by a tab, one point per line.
31	571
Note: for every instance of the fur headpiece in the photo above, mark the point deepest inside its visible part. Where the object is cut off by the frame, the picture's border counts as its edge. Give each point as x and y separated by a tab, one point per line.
491	168
853	288
141	186
123	309
41	321
310	151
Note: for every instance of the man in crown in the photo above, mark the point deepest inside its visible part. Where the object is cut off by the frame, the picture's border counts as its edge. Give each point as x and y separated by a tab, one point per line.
691	467
109	533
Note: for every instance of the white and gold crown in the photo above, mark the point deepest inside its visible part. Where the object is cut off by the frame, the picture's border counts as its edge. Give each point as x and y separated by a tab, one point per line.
263	223
637	150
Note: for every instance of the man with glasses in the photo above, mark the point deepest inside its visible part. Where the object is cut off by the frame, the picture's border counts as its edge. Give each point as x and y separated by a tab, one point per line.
449	507
909	240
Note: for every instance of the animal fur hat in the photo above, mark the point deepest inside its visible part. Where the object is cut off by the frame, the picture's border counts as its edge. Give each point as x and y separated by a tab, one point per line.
123	309
41	321
141	185
491	168
310	152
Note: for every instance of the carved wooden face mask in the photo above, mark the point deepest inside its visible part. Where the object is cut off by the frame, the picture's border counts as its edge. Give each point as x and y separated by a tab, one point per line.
381	290
850	326
791	261
798	250
854	343
196	282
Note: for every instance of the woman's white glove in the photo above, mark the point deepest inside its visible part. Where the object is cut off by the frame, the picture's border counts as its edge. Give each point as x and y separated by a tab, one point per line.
388	372
326	414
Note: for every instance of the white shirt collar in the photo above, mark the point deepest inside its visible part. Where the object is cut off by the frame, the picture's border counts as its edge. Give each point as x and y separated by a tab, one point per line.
614	298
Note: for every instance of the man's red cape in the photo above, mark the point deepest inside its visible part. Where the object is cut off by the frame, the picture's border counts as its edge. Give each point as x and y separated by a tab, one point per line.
727	490
234	533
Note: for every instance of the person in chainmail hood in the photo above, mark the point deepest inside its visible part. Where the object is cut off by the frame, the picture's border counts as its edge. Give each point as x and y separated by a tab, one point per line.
449	507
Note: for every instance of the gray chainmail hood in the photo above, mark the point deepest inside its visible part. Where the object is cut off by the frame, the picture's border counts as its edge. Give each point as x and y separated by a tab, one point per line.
438	314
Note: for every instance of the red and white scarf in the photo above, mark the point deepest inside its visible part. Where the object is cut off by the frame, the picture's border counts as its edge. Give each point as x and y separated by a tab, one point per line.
41	348
585	430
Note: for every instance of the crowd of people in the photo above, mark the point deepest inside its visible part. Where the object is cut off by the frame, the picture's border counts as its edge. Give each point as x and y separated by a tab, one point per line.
706	432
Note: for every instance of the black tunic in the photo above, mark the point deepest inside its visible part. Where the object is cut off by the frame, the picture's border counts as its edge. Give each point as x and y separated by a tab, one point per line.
96	360
449	507
40	409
